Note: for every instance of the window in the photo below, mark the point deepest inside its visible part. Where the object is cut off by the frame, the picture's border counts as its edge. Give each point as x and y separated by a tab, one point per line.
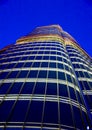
36	64
51	112
35	112
61	76
4	87
52	57
15	89
3	75
42	74
60	66
19	111
39	88
27	88
63	90
3	66
11	66
31	57
52	65
72	93
51	89
52	74
19	65
24	58
78	118
23	74
27	64
4	113
45	57
13	74
69	79
65	114
44	64
38	57
33	74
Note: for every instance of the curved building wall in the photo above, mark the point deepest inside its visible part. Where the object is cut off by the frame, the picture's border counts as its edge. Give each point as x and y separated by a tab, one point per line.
39	89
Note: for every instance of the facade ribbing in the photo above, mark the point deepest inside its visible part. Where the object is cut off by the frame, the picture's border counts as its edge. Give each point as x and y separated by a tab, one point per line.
45	83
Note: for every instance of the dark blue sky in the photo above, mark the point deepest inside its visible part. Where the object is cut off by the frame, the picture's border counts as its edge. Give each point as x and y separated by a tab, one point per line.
19	17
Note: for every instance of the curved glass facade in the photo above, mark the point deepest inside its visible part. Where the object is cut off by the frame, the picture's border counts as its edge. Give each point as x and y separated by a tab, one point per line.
39	85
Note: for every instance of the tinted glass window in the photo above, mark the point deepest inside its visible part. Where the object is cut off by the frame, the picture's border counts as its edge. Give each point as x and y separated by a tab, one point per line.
51	89
63	90
13	74
3	75
19	111
15	88
39	88
19	65
36	64
50	114
52	65
28	64
35	111
44	64
4	87
65	114
72	93
33	74
23	74
42	74
69	78
77	118
52	74
61	75
27	88
4	113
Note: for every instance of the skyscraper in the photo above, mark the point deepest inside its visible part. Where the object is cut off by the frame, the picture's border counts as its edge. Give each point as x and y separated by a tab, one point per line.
45	83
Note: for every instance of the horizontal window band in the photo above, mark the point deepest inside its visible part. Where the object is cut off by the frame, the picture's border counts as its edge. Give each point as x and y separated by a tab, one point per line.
40	80
39	69
30	97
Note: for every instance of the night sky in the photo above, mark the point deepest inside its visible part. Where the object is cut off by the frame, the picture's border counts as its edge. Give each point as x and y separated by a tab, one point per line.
20	17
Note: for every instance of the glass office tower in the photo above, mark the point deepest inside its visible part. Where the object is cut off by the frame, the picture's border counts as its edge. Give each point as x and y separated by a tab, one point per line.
45	83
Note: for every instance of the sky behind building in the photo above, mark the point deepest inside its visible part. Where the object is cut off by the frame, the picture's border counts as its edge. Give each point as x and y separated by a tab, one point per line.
20	17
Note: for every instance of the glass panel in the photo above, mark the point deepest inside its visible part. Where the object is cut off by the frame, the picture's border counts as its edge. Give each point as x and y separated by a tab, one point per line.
39	88
27	88
15	88
77	118
72	93
61	75
65	114
36	64
33	74
4	113
10	66
3	75
50	114
60	66
52	74
35	112
19	111
52	65
19	65
28	64
51	89
63	90
4	87
69	78
23	74
44	64
42	74
13	74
